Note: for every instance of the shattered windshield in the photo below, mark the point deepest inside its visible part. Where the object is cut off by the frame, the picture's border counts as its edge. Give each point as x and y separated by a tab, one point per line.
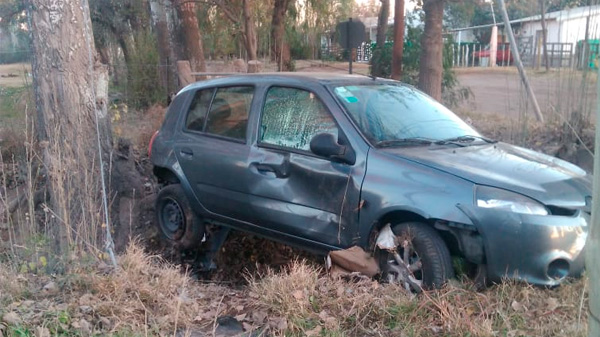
387	113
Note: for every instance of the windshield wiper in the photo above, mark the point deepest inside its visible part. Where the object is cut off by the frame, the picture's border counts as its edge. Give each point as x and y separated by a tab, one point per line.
463	139
404	141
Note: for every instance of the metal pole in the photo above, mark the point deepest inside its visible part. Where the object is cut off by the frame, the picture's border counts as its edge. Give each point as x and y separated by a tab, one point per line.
518	63
592	259
348	45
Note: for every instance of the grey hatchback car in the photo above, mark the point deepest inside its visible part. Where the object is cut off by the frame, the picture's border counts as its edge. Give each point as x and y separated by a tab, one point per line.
327	161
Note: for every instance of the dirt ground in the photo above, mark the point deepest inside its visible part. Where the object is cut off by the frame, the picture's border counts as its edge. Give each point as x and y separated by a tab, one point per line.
15	75
500	91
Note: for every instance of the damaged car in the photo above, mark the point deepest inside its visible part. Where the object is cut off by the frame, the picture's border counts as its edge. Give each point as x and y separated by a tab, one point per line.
326	162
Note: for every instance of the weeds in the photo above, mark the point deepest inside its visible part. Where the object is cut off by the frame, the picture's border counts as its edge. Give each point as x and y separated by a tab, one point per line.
317	305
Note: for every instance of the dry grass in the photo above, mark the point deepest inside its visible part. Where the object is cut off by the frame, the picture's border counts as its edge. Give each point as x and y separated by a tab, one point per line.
137	126
317	305
144	296
147	296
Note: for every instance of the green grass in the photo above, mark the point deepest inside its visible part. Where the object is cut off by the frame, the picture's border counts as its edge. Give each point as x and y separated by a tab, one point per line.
12	102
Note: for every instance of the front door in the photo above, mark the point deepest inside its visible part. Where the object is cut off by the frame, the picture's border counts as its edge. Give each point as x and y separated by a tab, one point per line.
292	190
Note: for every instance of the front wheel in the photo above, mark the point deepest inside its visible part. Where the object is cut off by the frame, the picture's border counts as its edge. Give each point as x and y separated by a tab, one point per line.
177	221
421	260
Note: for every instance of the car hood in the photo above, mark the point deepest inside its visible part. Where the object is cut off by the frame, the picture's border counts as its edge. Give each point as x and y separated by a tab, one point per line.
547	179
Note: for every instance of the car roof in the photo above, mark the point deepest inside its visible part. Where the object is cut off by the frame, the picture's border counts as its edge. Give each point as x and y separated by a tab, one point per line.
289	78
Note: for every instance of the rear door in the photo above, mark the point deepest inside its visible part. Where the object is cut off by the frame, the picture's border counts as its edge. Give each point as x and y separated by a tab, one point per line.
214	149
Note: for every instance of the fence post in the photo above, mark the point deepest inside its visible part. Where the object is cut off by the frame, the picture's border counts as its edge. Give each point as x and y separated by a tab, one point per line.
453	55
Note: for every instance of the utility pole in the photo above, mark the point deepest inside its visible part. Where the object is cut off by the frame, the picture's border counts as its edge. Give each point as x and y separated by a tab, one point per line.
517	59
592	258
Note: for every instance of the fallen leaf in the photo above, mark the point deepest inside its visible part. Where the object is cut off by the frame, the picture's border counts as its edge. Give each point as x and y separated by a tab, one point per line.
42	331
11	318
278	323
50	288
247	326
259	316
518	306
552	303
298	294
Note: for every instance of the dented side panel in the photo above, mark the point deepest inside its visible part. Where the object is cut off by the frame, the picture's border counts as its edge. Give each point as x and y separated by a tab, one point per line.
395	184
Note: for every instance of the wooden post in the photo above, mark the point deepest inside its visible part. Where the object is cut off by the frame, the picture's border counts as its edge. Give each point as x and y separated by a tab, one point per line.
592	258
184	70
493	46
517	58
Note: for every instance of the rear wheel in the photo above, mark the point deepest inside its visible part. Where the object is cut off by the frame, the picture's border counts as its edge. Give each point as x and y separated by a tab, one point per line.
177	221
422	259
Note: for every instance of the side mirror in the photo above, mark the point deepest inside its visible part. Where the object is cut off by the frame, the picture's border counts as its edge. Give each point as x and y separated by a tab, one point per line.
325	145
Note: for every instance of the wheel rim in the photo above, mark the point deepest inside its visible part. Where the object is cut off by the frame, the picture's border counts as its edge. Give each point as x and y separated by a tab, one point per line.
404	267
172	219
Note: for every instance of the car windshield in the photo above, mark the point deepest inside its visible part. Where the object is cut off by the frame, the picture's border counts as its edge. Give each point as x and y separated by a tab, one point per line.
389	113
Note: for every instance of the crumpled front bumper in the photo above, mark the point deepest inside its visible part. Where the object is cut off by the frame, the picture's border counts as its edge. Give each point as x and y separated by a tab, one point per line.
538	249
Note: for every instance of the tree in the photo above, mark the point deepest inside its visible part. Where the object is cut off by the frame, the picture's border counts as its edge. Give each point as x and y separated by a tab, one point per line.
164	28
186	10
280	50
249	30
431	68
398	40
71	98
234	11
384	14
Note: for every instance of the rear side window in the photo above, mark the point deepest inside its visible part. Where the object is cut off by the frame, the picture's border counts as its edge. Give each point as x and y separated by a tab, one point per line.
228	115
198	109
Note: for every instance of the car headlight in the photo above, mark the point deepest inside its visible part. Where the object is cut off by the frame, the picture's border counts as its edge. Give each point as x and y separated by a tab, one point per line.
490	197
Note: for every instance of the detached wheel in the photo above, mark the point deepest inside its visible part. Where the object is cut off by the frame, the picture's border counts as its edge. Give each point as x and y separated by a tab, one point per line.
423	260
177	222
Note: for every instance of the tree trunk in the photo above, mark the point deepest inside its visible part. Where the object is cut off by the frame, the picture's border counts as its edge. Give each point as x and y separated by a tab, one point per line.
544	33
249	31
280	50
398	40
71	97
431	67
191	34
168	75
384	14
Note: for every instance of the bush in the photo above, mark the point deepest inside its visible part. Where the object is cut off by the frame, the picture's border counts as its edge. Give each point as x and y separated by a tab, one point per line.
452	92
143	73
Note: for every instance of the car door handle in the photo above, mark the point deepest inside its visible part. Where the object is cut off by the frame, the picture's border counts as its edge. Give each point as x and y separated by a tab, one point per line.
186	152
280	171
264	168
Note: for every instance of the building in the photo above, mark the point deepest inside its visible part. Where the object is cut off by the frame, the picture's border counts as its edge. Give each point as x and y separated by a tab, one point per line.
566	34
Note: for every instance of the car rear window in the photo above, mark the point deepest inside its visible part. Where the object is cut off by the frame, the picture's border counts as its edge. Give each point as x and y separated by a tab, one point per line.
228	115
198	109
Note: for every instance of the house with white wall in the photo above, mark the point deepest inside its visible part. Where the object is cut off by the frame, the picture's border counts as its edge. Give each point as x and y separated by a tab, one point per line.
566	26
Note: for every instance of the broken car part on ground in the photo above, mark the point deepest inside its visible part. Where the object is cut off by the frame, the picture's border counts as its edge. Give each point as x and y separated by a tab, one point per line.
325	162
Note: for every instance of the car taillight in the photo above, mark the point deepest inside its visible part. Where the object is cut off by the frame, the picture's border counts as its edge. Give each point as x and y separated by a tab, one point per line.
151	142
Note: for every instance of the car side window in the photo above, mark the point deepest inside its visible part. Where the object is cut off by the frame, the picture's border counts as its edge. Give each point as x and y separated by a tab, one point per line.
292	117
228	115
198	109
